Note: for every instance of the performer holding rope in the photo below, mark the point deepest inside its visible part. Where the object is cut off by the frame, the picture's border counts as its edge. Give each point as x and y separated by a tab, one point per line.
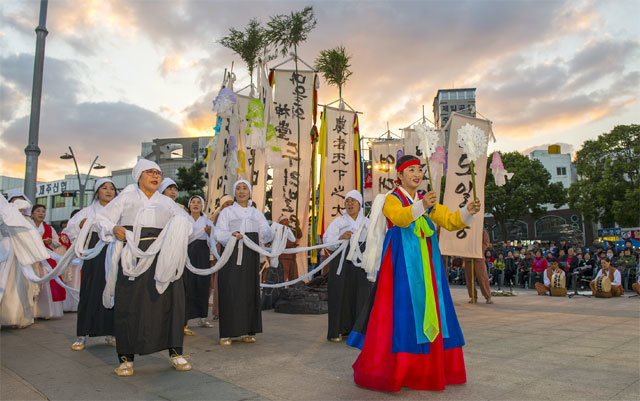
52	294
239	281
412	335
20	244
149	294
349	289
196	287
93	318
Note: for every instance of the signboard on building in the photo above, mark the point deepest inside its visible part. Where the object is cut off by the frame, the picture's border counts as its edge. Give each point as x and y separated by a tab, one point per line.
52	188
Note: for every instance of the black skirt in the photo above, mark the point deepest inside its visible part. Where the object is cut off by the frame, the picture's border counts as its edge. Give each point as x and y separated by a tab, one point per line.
239	294
93	318
348	295
196	287
145	321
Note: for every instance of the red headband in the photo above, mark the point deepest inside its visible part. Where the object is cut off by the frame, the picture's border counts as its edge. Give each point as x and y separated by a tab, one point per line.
412	162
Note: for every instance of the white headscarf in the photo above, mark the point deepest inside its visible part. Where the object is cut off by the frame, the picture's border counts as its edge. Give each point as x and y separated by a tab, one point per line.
355	195
238	182
189	203
100	183
166	183
142	165
15	193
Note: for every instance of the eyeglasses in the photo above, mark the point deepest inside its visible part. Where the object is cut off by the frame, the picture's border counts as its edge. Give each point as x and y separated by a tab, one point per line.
153	173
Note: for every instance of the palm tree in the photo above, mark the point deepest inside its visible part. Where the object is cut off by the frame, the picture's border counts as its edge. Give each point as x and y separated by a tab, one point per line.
334	66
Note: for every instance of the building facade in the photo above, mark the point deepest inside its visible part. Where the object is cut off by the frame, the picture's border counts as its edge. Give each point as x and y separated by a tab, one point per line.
448	101
60	197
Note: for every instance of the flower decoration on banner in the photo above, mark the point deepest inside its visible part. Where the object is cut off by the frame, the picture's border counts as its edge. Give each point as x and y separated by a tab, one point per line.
232	158
439	156
428	139
223	103
500	175
473	141
273	151
255	125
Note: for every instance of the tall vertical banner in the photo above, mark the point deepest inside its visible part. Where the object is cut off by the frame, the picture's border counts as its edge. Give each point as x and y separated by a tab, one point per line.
338	168
221	180
384	154
293	119
458	192
251	160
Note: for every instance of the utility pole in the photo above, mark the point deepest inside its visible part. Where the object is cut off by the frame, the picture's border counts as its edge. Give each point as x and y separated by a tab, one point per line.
32	150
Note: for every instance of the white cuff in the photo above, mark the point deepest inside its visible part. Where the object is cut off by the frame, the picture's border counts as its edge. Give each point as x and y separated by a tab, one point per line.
467	218
417	209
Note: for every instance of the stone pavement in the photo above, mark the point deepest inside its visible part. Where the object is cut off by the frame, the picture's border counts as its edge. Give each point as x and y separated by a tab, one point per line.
521	348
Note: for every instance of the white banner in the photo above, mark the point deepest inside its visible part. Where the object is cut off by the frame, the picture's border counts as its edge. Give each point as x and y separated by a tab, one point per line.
384	155
458	192
339	174
293	120
251	162
221	180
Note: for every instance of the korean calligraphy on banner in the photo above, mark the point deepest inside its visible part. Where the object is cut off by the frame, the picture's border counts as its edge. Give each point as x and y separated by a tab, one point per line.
293	120
458	192
52	188
384	154
251	161
339	164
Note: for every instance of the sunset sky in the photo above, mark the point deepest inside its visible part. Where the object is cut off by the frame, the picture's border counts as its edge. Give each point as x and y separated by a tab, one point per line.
120	72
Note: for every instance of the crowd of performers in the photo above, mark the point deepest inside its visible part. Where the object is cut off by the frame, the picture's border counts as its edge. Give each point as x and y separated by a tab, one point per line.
147	270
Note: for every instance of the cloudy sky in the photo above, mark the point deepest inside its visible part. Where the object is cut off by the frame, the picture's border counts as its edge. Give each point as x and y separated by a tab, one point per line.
119	72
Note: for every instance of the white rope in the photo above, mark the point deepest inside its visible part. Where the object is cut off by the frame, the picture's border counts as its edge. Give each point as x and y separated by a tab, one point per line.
340	250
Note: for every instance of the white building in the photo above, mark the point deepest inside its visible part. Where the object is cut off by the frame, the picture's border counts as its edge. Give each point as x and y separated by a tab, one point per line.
559	165
60	197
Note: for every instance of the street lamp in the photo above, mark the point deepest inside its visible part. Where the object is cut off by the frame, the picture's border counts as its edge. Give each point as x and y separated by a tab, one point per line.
69	155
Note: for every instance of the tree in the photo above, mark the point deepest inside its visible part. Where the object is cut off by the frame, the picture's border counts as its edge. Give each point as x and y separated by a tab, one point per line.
334	66
249	44
525	193
608	186
287	31
191	180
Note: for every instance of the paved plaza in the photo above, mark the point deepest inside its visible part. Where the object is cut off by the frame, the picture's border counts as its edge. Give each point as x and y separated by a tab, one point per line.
526	347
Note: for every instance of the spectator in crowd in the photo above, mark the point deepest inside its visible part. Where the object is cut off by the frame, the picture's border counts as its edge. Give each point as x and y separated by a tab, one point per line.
627	265
524	268
553	249
563	246
611	255
572	261
510	268
540	264
586	267
498	268
594	247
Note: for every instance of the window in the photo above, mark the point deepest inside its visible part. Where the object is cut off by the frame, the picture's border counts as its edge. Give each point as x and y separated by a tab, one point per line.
76	200
561	171
41	201
59	201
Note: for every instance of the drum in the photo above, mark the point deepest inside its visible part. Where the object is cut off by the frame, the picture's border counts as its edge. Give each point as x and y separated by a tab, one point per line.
603	287
558	285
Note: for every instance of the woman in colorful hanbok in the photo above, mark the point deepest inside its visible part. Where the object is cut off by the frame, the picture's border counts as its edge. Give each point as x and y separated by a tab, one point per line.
409	334
93	318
